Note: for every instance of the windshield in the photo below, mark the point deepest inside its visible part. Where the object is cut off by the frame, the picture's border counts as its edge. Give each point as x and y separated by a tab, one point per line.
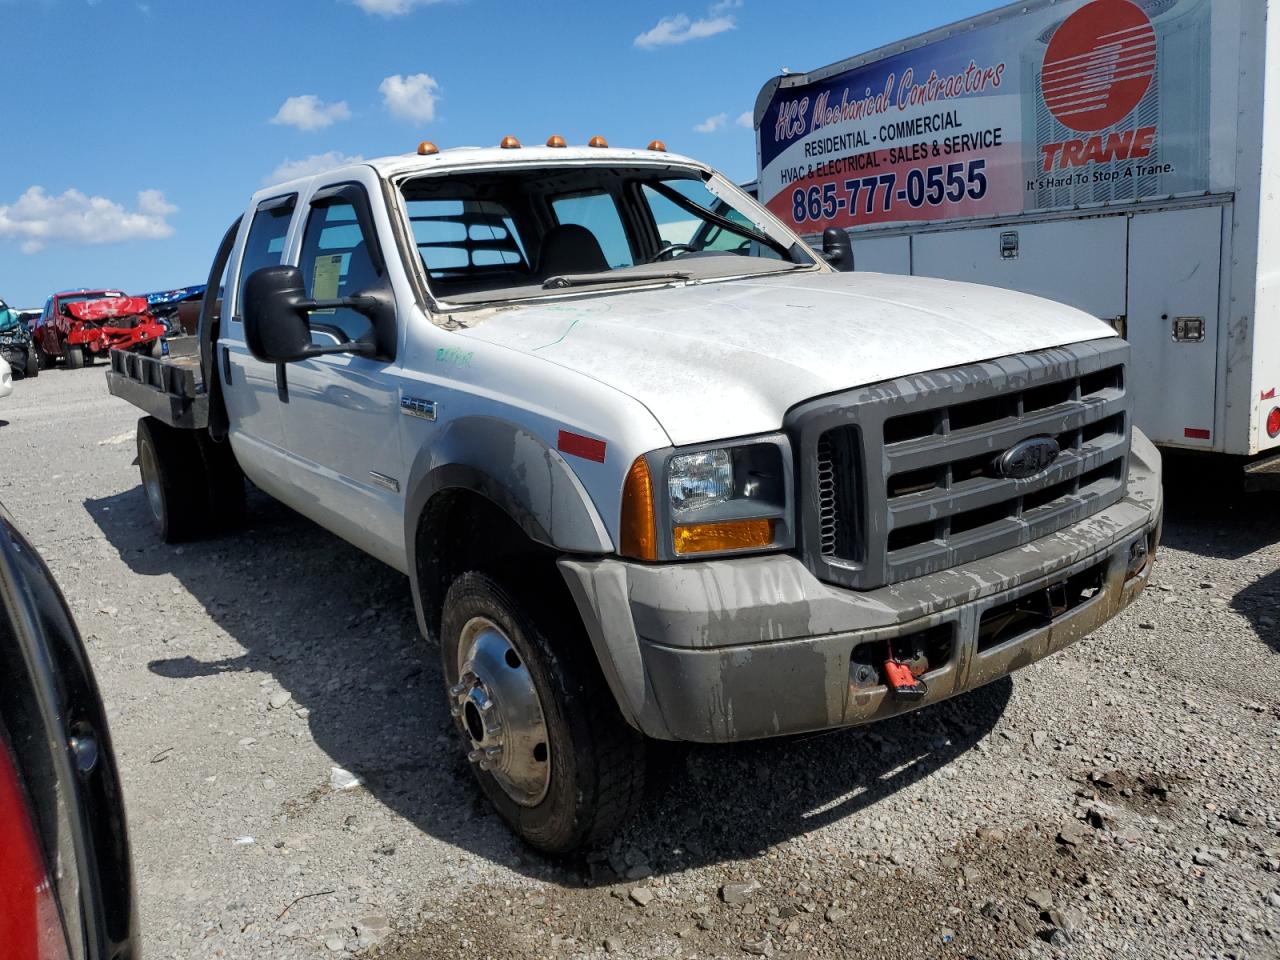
533	231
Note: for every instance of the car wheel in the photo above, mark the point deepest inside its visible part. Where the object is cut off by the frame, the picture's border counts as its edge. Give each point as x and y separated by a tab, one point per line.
545	739
156	350
33	363
43	359
75	357
172	480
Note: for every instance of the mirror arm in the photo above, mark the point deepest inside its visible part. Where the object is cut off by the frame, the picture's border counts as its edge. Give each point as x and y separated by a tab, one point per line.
360	348
359	304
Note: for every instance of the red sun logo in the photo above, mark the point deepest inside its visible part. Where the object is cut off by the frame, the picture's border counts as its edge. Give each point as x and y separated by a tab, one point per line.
1099	65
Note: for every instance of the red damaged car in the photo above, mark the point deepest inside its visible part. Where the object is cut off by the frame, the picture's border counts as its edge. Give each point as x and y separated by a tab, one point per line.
79	325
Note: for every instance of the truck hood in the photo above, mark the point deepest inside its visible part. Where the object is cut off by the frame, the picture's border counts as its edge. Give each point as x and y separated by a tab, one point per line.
721	360
107	308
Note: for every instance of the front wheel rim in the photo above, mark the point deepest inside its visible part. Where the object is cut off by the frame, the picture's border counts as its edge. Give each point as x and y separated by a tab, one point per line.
500	713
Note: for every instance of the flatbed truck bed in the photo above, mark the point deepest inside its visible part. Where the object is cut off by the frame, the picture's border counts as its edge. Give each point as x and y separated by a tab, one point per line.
171	388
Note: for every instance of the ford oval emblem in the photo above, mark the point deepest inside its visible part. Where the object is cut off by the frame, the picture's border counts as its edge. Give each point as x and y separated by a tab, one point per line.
1027	458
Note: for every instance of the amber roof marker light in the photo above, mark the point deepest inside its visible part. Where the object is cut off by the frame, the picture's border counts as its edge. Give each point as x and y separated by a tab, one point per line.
555	140
598	141
509	143
658	146
427	149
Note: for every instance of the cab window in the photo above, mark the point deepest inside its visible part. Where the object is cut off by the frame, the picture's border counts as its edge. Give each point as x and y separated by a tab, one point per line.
265	244
598	212
336	263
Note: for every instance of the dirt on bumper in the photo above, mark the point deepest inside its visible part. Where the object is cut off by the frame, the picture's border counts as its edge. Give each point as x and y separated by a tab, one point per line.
741	650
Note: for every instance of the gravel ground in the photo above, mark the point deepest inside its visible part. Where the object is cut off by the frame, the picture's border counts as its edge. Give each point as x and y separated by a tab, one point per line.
294	788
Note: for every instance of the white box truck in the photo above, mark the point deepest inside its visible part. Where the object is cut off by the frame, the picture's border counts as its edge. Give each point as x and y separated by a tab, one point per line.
1121	156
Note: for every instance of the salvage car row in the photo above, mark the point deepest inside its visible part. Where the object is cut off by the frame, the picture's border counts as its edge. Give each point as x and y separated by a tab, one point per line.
78	327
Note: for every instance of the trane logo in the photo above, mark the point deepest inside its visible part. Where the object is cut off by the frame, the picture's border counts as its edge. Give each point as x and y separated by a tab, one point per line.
1027	458
1099	65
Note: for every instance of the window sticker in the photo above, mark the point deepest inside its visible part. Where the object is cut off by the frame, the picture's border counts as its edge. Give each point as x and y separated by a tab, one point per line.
325	279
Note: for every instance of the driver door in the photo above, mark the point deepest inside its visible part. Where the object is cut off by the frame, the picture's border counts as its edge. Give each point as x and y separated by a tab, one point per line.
341	411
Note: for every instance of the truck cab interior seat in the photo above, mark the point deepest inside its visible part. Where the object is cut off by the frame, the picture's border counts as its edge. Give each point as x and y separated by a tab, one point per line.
570	249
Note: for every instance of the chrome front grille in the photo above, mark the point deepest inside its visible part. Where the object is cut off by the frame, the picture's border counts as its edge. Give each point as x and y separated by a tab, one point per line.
903	479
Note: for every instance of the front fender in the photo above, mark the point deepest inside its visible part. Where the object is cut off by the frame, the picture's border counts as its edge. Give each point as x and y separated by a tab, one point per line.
519	473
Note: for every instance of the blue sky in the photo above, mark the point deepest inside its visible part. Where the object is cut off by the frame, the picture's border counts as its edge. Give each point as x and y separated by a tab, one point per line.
134	130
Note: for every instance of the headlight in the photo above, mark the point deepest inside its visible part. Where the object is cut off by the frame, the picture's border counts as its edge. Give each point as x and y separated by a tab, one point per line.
718	500
698	480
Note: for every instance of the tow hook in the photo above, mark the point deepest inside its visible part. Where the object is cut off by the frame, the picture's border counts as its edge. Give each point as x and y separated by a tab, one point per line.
903	684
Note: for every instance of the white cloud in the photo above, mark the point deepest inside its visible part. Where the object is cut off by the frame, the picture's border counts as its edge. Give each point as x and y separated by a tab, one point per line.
309	112
411	98
712	124
681	29
316	163
746	119
392	8
37	219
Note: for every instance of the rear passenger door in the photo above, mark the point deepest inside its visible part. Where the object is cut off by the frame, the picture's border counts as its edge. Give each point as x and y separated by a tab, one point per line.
249	385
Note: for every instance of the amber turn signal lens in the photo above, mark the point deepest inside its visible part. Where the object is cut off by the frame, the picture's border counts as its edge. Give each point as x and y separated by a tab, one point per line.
598	141
427	149
639	527
717	537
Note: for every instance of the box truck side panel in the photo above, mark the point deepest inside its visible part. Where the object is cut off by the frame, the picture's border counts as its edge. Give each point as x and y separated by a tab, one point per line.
1072	261
882	254
1174	284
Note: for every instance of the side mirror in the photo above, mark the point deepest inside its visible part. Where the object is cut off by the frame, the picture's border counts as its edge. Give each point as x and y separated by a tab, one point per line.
837	249
276	310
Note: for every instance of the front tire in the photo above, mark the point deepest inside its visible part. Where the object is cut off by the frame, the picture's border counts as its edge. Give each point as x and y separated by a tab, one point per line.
544	736
33	362
43	360
172	479
75	357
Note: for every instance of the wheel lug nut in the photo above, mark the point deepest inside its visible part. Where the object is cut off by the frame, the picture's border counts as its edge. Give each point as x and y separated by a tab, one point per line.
475	756
492	753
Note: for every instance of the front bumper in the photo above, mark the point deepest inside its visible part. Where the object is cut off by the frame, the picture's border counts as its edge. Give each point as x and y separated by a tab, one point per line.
104	339
731	650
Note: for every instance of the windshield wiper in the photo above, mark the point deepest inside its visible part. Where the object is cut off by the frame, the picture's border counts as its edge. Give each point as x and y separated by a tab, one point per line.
597	279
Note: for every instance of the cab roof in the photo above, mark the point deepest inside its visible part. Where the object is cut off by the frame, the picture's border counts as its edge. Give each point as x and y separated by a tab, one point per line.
469	157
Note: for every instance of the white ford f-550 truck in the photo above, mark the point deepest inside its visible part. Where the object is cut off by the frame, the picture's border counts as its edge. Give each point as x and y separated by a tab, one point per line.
653	468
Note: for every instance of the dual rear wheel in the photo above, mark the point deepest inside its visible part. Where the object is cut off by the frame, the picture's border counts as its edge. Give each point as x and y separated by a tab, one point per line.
193	485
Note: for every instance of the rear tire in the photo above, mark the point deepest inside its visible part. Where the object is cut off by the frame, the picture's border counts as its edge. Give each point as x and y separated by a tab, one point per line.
33	362
224	483
172	480
75	357
595	762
